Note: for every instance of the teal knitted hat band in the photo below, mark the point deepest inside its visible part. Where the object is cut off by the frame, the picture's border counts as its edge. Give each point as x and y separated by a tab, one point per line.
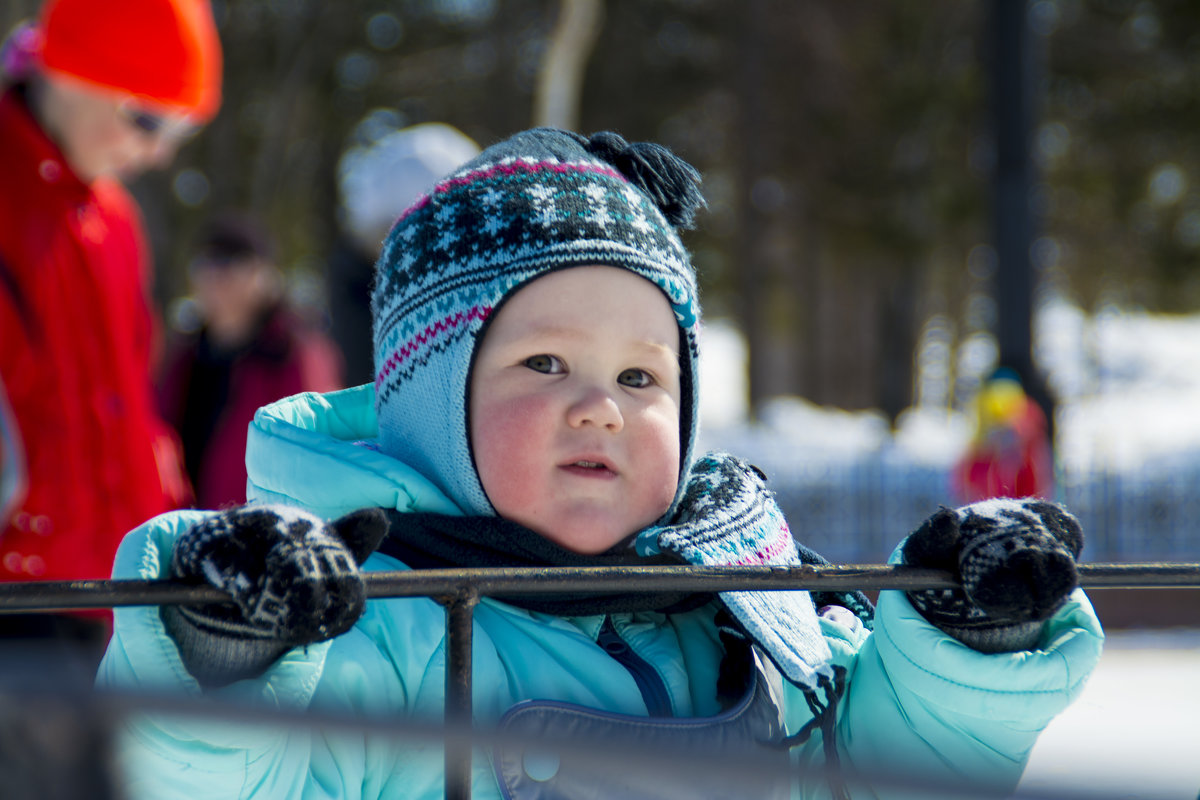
539	201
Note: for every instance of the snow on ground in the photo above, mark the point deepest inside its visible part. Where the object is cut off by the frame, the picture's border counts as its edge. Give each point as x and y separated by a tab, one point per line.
1134	731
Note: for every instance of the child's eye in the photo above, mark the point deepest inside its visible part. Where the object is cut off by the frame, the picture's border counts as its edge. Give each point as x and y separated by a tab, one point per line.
544	363
635	378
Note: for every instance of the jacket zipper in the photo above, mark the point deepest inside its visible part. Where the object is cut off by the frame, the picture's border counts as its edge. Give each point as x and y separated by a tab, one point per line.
649	682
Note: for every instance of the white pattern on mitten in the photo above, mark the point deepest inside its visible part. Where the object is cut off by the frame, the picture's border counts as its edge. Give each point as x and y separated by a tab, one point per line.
1015	560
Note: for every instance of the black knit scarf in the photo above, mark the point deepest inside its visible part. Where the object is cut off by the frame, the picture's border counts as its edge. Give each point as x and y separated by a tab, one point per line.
440	541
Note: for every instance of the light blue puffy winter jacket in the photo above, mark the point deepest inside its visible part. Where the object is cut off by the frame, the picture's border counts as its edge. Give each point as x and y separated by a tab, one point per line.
916	700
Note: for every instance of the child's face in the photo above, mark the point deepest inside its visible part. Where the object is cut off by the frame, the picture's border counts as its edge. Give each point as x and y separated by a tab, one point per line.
575	397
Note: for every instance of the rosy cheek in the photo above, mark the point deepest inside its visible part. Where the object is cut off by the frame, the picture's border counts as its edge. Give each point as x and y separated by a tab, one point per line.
504	444
659	452
666	494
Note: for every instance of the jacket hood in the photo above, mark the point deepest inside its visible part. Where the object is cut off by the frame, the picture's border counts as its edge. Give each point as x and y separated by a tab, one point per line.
319	451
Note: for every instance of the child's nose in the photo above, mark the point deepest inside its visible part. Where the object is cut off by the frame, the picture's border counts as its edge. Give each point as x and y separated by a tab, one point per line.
595	406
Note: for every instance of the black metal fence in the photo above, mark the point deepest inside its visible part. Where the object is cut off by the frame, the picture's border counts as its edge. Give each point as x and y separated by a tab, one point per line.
857	509
459	591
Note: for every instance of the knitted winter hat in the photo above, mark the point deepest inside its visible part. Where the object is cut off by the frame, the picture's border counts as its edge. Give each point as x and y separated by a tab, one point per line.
540	201
163	51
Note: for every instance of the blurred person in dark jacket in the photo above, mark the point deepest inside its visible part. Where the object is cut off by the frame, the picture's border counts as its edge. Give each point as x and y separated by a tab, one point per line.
92	94
251	348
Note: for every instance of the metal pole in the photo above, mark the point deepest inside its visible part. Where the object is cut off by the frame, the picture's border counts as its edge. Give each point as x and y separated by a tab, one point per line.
1012	118
1015	69
460	609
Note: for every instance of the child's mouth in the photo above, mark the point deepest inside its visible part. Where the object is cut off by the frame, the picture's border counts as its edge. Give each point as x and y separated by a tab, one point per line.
589	468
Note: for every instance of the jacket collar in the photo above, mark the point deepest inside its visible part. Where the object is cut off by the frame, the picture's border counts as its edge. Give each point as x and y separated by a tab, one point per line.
35	159
320	451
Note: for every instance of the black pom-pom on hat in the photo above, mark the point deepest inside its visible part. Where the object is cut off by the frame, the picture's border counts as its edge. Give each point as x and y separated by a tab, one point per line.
672	183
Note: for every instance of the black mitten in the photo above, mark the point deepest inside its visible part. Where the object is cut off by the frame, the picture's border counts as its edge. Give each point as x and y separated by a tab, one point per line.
1015	560
294	580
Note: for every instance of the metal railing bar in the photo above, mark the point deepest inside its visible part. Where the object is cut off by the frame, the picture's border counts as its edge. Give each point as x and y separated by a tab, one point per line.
460	590
112	704
457	705
32	596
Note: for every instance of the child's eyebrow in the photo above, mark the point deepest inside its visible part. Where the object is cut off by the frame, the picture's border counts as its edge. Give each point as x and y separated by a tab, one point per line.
658	350
536	335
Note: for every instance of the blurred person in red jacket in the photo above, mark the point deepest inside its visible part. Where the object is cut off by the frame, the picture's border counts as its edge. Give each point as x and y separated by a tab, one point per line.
1010	454
93	93
248	347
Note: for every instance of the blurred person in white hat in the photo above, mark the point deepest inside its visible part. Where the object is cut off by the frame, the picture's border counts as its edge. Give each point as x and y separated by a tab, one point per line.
376	183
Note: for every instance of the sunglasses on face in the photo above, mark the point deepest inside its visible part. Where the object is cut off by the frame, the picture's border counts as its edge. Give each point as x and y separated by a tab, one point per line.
152	124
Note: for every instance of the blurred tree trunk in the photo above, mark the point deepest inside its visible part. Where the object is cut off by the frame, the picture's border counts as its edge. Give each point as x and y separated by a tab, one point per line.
560	80
804	285
845	344
750	256
897	340
297	56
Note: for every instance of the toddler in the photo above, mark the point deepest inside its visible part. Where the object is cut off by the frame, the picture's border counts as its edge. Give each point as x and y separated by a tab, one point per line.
536	330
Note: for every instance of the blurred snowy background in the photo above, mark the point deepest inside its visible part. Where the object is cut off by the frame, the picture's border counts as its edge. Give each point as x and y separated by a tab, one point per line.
1128	446
1132	733
1128	438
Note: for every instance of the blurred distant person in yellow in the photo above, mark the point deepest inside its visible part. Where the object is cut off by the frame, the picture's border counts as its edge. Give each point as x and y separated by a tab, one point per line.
250	348
1010	454
94	92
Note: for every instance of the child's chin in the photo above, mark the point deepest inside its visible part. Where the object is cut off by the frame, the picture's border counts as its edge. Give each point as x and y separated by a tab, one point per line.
585	540
589	526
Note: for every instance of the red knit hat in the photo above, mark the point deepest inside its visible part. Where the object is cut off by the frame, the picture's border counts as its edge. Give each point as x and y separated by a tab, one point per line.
165	51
